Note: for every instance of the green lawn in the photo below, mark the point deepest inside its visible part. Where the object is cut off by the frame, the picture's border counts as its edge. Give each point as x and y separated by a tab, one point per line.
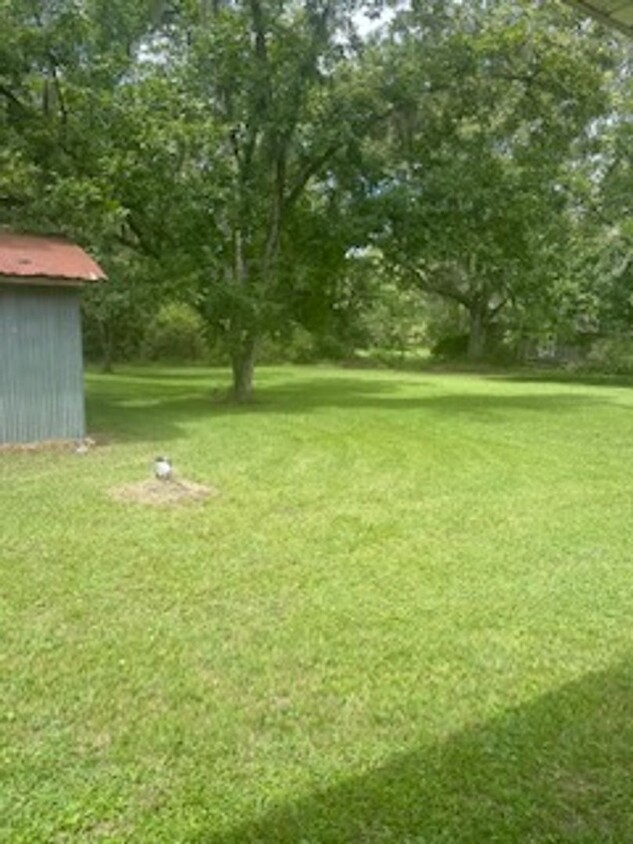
407	618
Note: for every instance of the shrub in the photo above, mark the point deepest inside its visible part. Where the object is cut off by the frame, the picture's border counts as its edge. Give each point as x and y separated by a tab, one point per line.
176	335
452	347
611	355
301	347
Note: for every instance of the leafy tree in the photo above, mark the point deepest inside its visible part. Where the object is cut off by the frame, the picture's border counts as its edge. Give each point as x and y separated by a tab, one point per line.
232	152
612	212
278	89
188	130
593	297
117	315
62	67
494	96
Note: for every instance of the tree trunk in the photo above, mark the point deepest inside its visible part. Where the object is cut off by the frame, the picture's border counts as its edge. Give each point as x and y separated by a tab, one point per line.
243	365
478	332
106	348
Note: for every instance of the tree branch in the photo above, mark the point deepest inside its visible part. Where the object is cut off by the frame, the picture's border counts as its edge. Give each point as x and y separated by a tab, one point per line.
311	168
494	311
9	95
441	288
58	87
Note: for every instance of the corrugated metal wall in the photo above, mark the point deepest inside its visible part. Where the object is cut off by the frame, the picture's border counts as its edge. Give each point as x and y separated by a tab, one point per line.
41	370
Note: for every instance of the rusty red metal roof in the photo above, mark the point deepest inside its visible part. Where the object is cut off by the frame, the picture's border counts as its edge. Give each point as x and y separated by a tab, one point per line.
33	256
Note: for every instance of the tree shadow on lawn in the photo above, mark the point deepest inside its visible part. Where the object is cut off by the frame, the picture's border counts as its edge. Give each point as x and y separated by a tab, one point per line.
558	769
560	376
297	397
155	409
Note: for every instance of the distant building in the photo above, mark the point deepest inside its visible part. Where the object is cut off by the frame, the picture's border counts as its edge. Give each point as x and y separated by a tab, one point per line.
41	365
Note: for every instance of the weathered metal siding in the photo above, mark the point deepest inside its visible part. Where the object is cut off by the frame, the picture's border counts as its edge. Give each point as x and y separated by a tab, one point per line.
41	370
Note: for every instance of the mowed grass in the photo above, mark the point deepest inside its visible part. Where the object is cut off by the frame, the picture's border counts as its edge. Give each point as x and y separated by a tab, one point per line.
408	617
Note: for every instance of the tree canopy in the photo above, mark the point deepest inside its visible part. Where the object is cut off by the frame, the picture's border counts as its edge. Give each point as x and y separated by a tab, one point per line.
238	153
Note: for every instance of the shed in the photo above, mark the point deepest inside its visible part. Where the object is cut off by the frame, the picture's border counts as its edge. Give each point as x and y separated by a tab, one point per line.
41	363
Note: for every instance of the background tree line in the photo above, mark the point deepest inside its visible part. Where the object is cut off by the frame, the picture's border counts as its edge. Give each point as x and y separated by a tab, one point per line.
265	178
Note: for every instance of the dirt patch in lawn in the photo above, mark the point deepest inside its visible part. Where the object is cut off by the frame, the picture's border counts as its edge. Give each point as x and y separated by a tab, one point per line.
162	493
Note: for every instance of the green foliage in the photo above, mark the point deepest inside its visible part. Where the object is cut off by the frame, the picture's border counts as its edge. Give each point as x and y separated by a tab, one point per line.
302	347
112	323
176	335
116	313
451	347
393	318
242	151
612	355
475	191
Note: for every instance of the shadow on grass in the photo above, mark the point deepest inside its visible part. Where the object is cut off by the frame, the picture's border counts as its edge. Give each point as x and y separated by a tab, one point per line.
386	394
560	376
528	373
156	406
558	769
